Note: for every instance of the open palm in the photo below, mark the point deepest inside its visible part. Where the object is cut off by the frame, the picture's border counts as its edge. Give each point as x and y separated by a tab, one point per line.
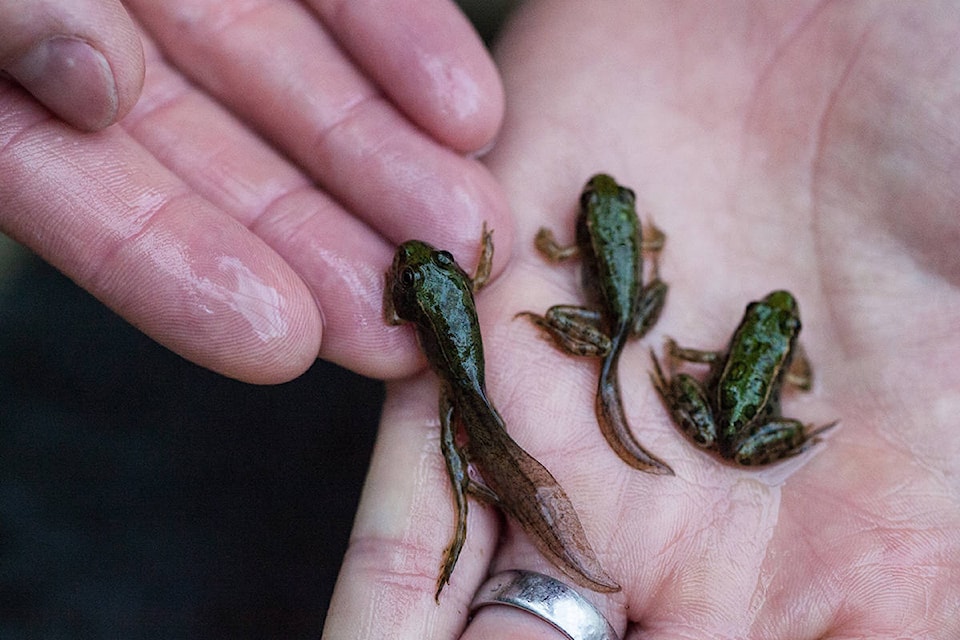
812	148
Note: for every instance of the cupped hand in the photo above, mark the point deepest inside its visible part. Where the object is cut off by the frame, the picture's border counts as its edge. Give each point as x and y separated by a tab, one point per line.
810	146
243	211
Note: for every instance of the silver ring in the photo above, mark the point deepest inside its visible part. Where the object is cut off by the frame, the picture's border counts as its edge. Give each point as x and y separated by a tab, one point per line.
548	599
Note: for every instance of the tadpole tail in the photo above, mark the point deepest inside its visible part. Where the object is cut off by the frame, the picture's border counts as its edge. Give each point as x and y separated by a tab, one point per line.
531	496
550	519
613	422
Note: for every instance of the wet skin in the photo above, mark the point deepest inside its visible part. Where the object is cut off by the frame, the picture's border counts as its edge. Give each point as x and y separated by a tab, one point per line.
736	411
610	244
427	288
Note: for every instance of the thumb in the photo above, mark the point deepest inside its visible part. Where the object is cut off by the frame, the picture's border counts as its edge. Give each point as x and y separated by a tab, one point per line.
82	59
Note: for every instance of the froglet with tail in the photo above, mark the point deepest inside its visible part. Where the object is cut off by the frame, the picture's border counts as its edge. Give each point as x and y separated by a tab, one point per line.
427	288
610	244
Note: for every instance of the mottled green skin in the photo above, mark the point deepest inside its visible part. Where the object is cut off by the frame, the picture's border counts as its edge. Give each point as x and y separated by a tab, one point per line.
748	385
427	288
609	242
736	411
609	236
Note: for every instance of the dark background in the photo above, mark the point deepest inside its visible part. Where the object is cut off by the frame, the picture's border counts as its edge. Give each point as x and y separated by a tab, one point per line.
144	497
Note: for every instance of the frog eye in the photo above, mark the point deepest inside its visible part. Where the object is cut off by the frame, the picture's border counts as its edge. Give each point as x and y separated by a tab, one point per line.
628	195
409	276
443	258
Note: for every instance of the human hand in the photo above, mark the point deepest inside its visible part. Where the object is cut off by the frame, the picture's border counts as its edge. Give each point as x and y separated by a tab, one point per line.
244	210
812	148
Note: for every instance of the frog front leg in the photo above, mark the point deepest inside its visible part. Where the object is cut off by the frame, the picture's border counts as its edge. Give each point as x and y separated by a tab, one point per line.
576	330
547	245
800	373
686	401
456	462
653	239
484	263
676	352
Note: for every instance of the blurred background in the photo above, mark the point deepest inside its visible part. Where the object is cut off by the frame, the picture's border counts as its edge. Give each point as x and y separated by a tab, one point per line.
144	497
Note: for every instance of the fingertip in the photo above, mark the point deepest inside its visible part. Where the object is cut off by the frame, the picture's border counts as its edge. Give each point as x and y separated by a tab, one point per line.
455	91
281	358
273	328
85	67
72	79
430	60
242	319
465	98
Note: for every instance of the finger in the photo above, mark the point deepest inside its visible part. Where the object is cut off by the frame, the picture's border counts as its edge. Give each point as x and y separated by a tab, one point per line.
404	521
80	58
275	66
340	259
105	212
428	59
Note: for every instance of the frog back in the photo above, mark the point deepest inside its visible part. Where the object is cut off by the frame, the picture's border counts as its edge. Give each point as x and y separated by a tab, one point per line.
609	236
759	355
449	334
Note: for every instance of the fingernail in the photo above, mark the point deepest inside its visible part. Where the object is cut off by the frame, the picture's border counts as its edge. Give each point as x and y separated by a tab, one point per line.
70	78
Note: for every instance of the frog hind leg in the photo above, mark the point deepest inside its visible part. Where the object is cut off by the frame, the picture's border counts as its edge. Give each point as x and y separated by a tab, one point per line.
687	403
653	295
776	440
575	330
652	299
457	469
